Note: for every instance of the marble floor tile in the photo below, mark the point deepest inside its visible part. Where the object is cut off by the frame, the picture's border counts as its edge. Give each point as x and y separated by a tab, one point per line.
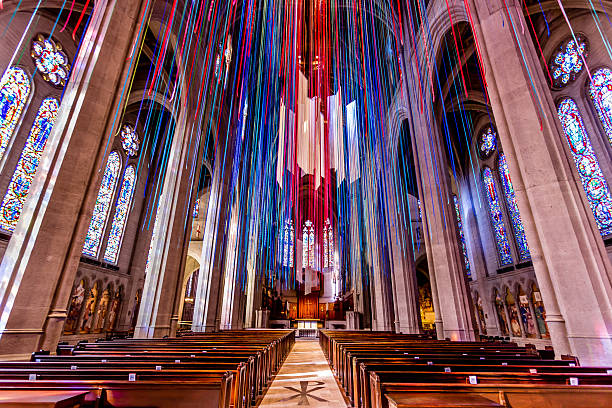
305	379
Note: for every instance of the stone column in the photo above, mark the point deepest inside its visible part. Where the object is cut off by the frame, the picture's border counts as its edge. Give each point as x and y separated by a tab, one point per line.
207	310
160	304
572	268
403	269
37	271
450	295
380	282
355	227
231	316
253	287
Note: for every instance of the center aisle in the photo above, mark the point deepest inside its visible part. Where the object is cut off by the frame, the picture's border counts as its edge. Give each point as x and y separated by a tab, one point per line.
304	380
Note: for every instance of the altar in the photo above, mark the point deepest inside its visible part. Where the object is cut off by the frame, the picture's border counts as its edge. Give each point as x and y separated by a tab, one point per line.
307	323
307	327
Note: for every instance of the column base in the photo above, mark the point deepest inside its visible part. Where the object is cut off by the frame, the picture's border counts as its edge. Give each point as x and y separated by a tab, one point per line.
20	342
591	350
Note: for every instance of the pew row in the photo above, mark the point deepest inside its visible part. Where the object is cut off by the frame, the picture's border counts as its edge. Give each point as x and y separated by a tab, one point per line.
379	370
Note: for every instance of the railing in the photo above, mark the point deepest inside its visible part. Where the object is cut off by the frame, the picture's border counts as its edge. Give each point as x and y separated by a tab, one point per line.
312	333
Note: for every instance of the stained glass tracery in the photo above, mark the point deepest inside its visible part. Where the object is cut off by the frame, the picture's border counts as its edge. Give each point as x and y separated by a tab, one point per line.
289	235
129	140
50	60
308	245
18	189
487	142
591	176
196	209
14	92
568	62
102	206
291	244
466	260
513	210
121	215
328	245
499	229
600	90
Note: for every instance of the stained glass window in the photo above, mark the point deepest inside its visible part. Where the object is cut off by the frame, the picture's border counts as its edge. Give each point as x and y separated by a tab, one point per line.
325	246
311	249
499	229
196	209
601	94
18	189
487	142
330	248
515	215
305	235
102	206
289	234
308	245
129	140
122	210
291	243
462	237
328	245
50	60
14	91
286	245
591	176
567	62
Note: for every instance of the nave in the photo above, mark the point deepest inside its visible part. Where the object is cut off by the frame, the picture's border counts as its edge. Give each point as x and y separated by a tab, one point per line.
187	188
271	368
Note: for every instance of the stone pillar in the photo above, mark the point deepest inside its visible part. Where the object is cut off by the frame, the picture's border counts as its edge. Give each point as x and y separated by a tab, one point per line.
568	254
38	269
355	228
207	310
450	295
253	286
403	270
380	283
160	304
231	308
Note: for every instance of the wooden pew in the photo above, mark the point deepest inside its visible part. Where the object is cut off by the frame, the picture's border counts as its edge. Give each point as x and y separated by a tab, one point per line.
125	393
511	395
42	399
379	371
217	370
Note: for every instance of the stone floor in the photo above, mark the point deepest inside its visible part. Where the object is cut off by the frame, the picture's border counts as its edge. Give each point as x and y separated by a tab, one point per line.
305	379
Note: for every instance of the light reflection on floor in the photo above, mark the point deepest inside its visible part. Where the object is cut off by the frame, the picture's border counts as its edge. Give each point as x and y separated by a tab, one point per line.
304	380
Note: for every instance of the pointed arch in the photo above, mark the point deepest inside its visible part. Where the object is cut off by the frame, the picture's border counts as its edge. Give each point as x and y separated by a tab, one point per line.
15	88
19	187
591	176
122	209
97	224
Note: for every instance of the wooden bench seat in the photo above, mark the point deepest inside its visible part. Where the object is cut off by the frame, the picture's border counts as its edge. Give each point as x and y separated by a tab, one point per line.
214	370
389	371
41	398
184	393
510	395
439	400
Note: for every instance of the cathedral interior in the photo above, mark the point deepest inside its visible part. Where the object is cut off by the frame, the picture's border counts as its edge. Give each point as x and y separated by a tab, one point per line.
322	178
